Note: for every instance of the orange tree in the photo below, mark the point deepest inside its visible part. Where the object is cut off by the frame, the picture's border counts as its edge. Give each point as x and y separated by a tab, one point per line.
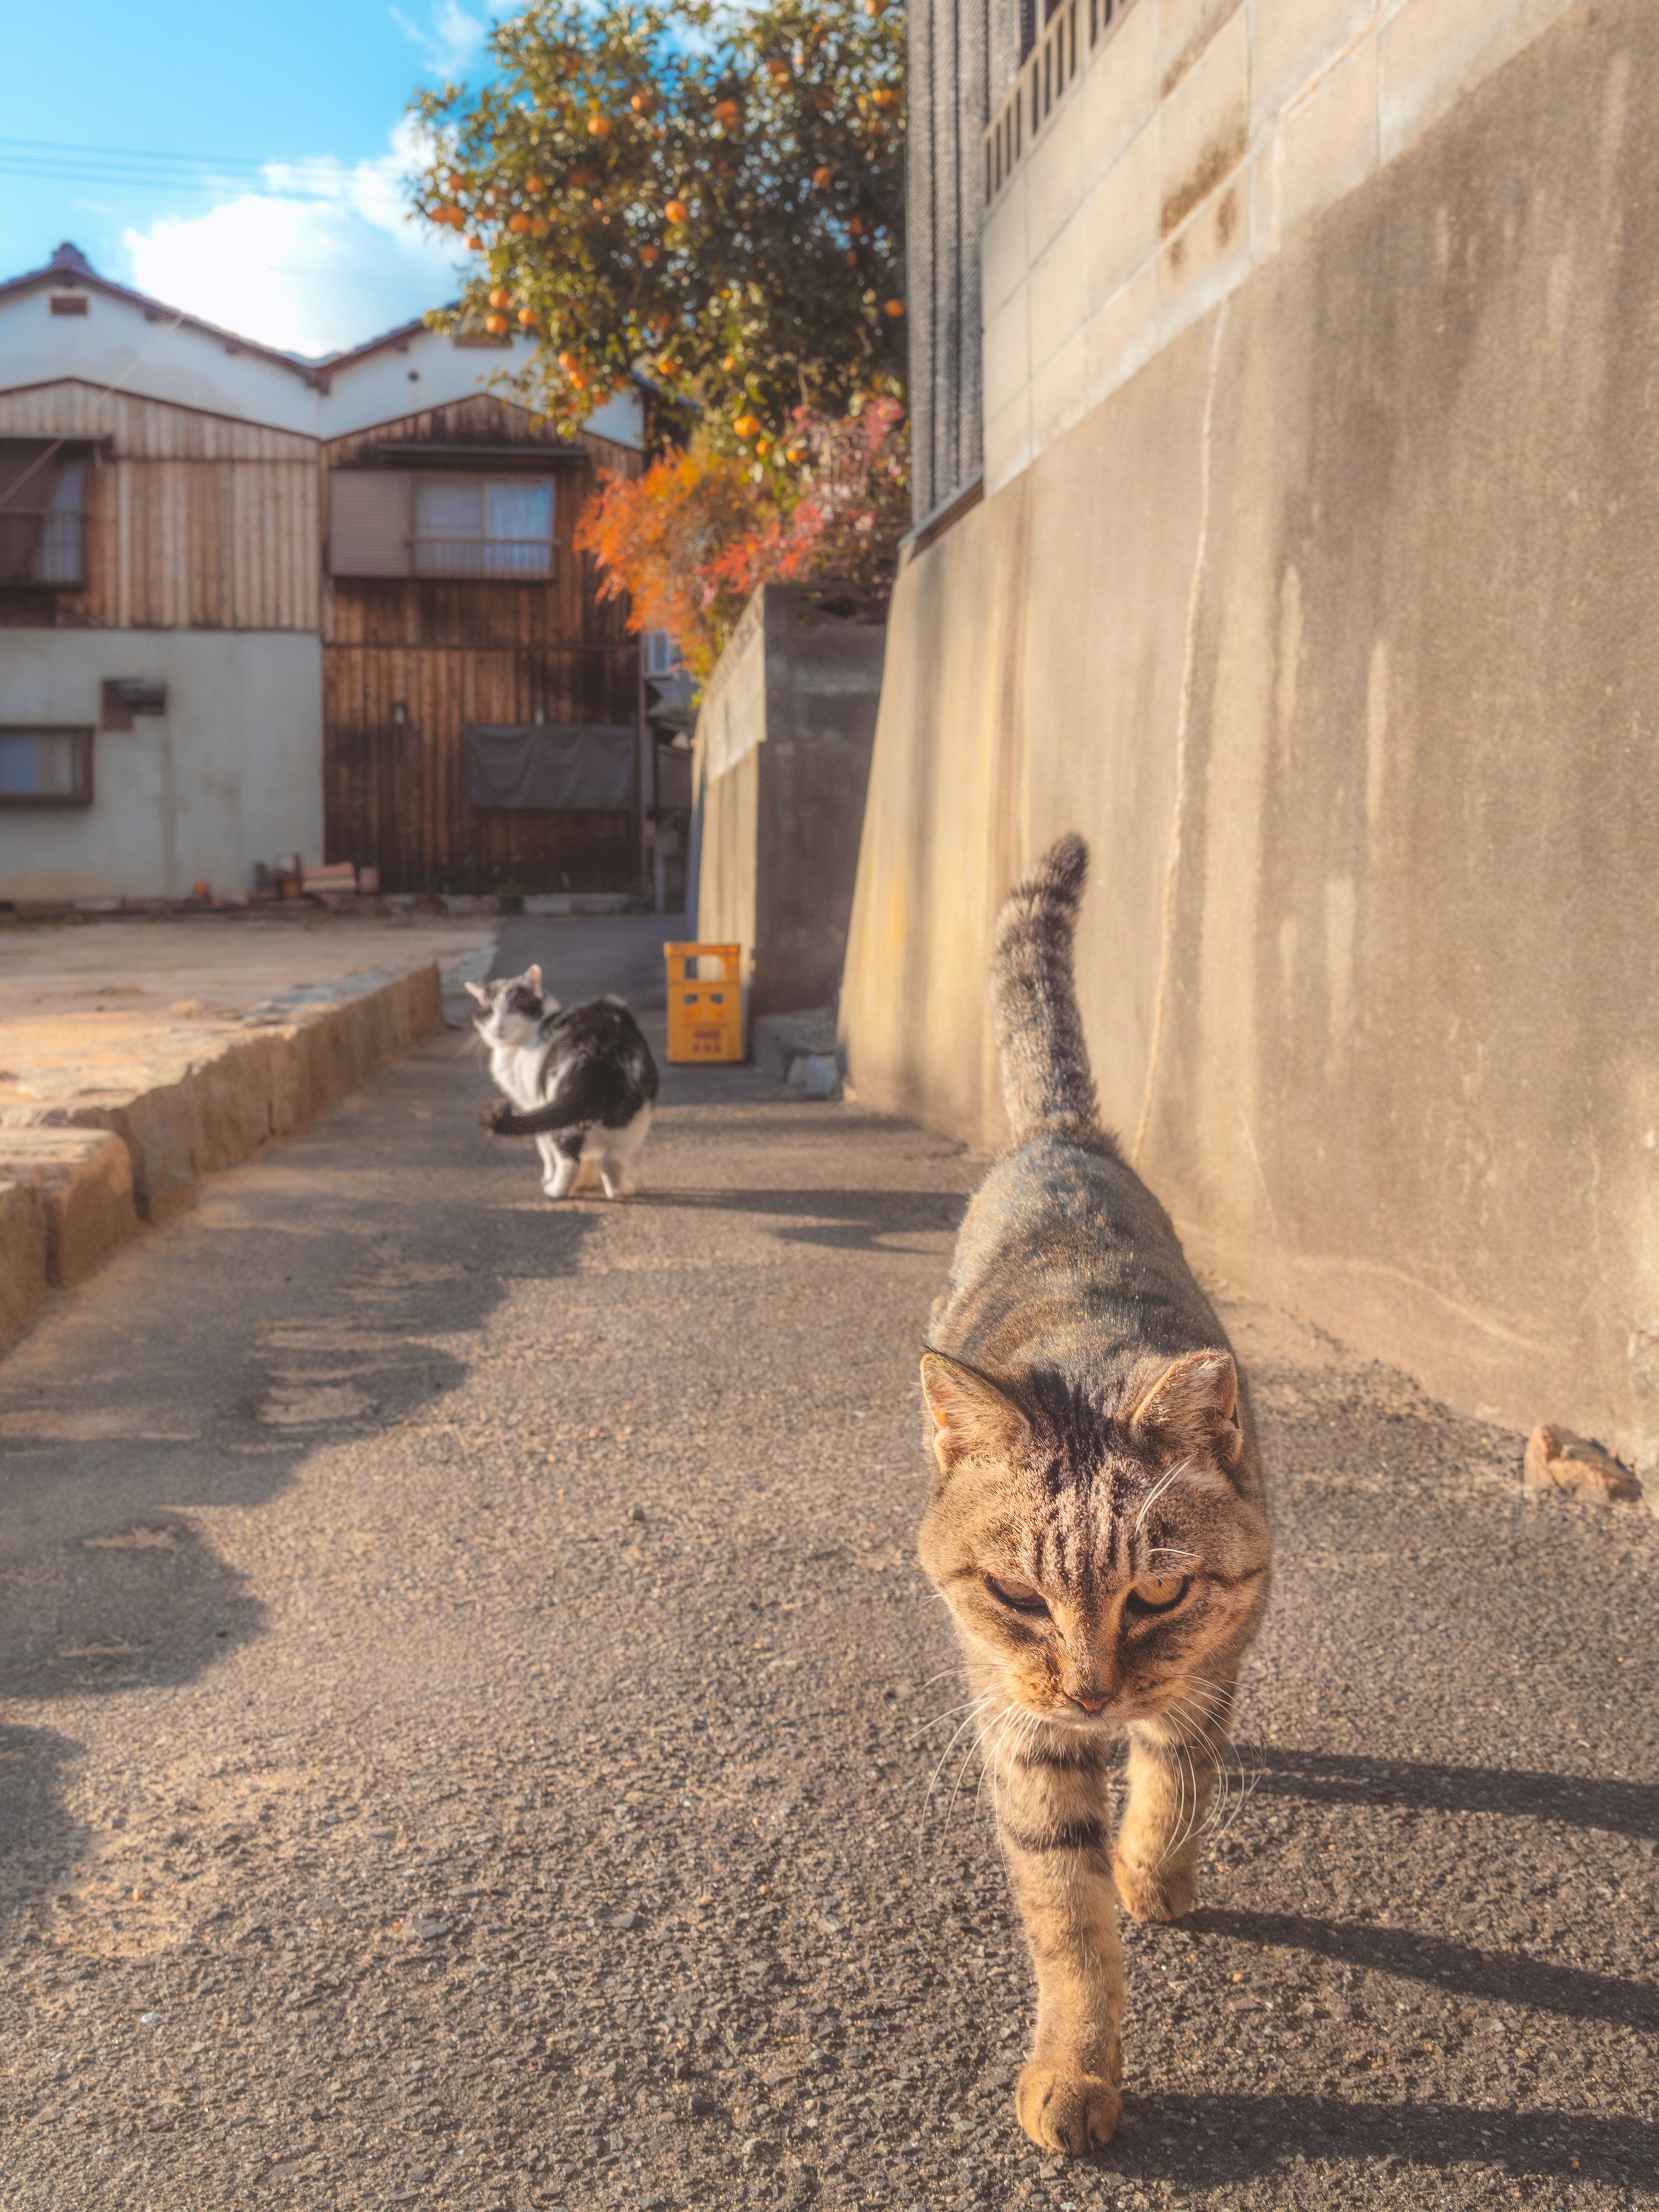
712	194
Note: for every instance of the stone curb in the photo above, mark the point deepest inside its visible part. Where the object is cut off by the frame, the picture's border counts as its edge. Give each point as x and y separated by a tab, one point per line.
78	1183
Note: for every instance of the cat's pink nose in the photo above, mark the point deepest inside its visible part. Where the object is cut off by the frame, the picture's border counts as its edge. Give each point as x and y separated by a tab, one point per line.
1091	1700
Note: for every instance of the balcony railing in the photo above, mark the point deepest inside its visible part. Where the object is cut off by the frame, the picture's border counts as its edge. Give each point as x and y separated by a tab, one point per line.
1047	73
483	556
43	545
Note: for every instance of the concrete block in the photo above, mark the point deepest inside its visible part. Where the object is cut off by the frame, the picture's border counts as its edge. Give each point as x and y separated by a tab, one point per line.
1293	40
1058	395
1434	52
24	1281
1054	178
1206	260
1204	126
1119	90
1327	144
1059	302
1003	256
79	1184
1008	440
1122	336
1007	360
1119	218
1185	31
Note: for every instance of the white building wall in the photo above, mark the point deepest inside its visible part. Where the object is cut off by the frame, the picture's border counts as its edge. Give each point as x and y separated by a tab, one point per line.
231	774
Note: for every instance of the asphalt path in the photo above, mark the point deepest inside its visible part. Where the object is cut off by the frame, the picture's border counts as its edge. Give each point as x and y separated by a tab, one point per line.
474	1732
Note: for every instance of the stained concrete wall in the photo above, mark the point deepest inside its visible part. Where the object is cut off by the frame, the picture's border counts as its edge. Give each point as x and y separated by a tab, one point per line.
784	736
231	774
1161	156
1333	630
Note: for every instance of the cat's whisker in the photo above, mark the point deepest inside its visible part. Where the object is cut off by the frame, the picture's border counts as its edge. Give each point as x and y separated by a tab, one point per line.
945	1753
1156	1492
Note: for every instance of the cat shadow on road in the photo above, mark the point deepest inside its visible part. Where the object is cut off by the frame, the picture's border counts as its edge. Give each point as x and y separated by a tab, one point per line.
1198	2142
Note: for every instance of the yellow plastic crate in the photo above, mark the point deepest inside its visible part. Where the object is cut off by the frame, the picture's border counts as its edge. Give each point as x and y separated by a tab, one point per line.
705	1019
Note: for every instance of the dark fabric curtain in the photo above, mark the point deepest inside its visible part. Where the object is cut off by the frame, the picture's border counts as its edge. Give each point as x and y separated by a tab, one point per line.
571	767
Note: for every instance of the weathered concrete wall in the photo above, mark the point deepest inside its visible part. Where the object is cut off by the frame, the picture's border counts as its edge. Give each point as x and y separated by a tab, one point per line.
1333	630
231	774
784	736
1186	142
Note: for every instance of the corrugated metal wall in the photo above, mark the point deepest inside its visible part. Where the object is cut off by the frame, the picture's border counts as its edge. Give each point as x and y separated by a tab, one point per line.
449	652
193	521
962	56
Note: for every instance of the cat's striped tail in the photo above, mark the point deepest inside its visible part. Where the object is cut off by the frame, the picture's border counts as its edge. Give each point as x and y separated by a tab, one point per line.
1046	1079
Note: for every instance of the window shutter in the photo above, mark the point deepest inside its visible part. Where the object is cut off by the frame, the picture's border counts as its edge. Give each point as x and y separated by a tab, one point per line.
368	524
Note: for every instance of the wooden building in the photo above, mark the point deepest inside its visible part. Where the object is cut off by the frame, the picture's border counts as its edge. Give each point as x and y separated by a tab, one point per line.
252	606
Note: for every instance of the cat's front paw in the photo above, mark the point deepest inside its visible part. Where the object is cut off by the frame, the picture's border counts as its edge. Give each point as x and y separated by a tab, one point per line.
495	1115
1063	2110
1156	1892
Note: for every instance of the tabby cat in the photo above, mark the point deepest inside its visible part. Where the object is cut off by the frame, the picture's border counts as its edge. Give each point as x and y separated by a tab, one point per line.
1096	1523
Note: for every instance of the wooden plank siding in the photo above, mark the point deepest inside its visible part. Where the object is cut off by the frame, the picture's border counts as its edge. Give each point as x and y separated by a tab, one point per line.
194	522
455	652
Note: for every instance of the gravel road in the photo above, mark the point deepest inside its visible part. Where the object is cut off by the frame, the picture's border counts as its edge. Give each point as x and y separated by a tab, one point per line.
475	1733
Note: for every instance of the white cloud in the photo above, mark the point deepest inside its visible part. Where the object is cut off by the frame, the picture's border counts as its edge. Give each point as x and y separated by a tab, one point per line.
456	39
324	259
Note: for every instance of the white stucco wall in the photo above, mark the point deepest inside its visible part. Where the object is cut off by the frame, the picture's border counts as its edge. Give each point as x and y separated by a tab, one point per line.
231	774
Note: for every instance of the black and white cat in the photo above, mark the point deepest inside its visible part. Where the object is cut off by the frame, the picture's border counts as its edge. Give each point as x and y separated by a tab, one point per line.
582	1081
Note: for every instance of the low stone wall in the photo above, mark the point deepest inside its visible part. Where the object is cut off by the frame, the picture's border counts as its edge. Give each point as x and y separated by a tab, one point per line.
783	741
1332	631
78	1182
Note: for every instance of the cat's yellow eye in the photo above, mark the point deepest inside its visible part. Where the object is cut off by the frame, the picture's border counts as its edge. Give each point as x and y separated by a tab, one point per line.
1159	1593
1019	1596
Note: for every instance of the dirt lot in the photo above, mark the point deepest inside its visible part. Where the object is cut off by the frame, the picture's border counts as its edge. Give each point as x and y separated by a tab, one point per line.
475	1733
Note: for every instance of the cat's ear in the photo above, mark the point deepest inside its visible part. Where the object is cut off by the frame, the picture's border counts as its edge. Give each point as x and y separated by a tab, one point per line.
972	1418
1193	1405
533	977
479	994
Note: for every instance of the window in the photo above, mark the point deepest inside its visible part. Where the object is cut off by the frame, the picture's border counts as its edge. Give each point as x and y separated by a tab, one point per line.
45	767
662	653
469	526
42	513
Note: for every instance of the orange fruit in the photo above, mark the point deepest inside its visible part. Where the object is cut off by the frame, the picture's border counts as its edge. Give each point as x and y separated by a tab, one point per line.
527	317
893	308
726	111
648	254
729	363
667	367
475	246
642	103
598	126
499	297
676	211
823	177
518	222
746	425
763	447
535	187
496	325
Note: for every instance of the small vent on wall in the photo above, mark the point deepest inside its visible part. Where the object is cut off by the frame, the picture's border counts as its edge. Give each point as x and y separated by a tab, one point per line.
124	696
69	303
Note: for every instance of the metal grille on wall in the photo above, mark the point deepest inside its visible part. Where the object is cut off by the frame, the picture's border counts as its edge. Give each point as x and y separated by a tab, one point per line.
963	55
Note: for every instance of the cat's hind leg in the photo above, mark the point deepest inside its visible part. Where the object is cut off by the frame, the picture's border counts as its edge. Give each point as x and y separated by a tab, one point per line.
1173	1768
561	1158
1053	1812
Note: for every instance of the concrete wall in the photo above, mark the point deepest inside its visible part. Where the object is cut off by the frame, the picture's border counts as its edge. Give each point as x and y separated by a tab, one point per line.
231	774
783	737
1196	138
1333	630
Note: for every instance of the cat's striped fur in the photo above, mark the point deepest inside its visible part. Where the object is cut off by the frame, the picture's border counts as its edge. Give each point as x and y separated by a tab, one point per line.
1096	1523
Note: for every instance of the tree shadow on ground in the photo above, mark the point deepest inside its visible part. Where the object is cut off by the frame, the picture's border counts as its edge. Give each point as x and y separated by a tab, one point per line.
847	1220
324	1293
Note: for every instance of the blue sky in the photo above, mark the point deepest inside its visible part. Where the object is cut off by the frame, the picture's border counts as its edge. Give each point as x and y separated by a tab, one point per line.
277	209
